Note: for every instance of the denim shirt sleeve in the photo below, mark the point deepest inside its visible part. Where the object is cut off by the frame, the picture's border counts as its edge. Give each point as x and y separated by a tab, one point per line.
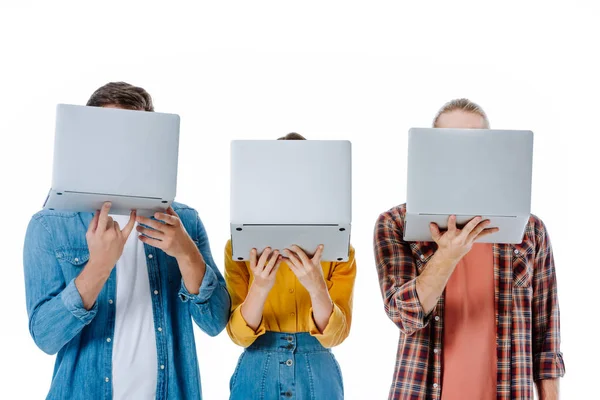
210	308
55	309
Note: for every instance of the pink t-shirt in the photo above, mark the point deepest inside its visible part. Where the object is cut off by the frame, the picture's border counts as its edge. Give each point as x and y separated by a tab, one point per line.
469	349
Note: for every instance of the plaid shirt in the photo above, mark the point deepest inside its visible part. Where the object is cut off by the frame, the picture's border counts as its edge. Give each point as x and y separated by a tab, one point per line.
526	307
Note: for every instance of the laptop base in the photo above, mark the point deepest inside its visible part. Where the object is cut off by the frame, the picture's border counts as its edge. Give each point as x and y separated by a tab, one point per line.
90	202
512	228
335	238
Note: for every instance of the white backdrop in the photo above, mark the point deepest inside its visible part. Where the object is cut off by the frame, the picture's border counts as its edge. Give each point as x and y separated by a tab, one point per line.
365	72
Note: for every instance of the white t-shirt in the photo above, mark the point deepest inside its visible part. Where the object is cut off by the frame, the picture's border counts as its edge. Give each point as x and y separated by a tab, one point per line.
134	357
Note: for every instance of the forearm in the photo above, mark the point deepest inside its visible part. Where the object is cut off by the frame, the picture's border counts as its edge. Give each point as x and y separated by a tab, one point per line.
55	322
193	268
547	389
431	282
253	306
90	282
322	307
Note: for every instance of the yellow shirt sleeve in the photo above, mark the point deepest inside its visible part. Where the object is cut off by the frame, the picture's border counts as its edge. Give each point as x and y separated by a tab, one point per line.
237	279
341	289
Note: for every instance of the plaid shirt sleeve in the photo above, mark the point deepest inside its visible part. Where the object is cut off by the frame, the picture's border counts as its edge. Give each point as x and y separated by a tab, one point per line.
397	272
547	358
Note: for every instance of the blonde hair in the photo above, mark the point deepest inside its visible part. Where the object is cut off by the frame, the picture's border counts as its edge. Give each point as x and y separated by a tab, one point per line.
462	105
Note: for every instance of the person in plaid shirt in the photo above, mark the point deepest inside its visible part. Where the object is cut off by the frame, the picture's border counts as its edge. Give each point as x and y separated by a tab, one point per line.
477	321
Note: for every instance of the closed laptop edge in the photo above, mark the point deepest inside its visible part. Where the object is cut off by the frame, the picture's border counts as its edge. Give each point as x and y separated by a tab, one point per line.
511	221
69	197
248	231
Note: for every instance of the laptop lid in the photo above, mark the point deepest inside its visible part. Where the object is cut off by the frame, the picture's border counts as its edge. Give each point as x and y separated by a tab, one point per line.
302	182
116	152
469	172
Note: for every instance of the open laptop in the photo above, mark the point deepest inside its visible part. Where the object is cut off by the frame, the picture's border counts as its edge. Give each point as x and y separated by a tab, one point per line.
286	192
105	154
468	173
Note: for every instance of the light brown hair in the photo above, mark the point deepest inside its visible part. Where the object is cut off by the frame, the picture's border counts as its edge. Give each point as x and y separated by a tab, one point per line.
121	94
462	105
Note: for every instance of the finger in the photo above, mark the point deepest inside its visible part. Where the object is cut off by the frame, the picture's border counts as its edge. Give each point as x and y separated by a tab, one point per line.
472	224
103	218
150	233
452	223
301	254
110	224
277	265
94	222
129	227
116	226
435	232
272	261
293	259
478	229
263	259
157	225
317	257
486	232
166	218
172	212
253	259
150	241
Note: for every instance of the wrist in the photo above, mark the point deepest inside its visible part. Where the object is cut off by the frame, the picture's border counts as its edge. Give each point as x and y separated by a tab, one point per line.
319	291
97	270
192	256
445	259
260	291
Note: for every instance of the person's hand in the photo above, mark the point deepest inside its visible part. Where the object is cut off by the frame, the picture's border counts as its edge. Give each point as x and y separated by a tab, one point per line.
307	270
265	268
455	243
168	234
105	239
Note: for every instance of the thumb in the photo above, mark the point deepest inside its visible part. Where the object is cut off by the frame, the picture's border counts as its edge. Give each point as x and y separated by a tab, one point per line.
435	231
94	223
317	257
129	227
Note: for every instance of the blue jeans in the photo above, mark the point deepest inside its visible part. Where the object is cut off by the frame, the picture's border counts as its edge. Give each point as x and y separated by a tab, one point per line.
287	366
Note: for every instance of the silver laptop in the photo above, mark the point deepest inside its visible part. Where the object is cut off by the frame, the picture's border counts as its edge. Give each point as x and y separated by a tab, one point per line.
468	173
105	154
286	192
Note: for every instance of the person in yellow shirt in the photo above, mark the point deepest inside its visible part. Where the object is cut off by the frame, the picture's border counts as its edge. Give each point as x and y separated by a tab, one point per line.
288	310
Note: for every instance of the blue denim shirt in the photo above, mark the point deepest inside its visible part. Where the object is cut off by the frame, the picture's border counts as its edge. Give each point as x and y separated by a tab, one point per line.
56	252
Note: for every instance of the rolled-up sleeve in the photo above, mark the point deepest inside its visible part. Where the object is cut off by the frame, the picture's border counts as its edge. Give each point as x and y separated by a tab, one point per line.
547	359
210	307
341	290
397	274
55	309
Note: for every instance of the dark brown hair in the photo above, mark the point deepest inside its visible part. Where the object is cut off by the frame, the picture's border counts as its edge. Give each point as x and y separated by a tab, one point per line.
292	136
121	94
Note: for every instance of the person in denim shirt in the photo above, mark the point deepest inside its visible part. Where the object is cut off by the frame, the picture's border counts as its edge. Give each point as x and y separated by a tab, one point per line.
117	306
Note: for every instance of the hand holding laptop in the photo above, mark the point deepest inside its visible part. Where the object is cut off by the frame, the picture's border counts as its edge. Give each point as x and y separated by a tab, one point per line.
455	243
105	240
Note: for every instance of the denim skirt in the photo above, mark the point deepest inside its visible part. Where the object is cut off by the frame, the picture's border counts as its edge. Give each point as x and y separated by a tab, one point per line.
286	366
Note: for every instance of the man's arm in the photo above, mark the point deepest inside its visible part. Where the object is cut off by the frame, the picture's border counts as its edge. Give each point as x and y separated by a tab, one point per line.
548	364
210	305
547	389
55	308
409	297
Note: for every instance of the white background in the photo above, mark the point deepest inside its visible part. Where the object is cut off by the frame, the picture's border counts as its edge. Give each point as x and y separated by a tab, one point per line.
365	72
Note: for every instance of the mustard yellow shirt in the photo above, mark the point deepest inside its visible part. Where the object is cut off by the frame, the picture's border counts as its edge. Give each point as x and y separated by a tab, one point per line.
288	306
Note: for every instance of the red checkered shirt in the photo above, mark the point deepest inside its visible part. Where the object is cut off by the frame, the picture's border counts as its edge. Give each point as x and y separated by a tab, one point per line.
526	307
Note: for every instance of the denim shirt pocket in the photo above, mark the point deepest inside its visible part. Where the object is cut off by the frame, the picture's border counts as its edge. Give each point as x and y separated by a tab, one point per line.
72	260
522	263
